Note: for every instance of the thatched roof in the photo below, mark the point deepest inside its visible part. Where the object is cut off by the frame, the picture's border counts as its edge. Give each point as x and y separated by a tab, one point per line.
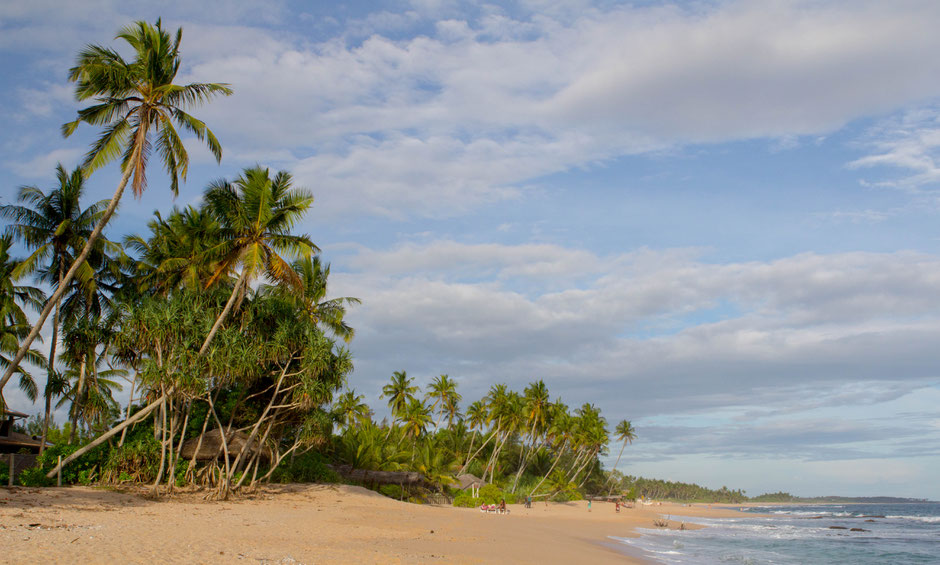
467	480
212	445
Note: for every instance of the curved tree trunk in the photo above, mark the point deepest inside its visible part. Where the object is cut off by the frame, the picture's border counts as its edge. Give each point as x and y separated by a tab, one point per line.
622	447
225	311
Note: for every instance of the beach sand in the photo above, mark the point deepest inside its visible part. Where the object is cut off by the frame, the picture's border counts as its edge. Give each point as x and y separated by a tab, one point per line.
309	524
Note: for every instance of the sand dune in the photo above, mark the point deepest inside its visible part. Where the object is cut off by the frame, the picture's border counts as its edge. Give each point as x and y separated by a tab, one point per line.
307	524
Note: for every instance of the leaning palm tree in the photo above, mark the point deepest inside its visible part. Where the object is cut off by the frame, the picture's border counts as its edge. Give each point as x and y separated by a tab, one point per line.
256	214
55	228
137	105
626	433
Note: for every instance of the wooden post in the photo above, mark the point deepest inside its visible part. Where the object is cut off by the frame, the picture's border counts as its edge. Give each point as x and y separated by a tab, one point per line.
12	468
59	474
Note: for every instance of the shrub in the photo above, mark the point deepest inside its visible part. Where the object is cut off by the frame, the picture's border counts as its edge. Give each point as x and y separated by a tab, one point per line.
83	470
489	494
4	474
309	467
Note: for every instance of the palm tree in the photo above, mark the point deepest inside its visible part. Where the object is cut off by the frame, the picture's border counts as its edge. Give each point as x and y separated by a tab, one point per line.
626	433
256	213
137	104
444	392
13	321
55	227
399	392
349	408
537	404
311	297
477	416
416	417
174	256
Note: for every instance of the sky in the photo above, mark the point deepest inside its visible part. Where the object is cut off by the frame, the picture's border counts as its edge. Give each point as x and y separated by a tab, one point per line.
715	219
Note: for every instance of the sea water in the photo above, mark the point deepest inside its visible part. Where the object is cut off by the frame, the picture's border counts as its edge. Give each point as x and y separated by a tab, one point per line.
894	534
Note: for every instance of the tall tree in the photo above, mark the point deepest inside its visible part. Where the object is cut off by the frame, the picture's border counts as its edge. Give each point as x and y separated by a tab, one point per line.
443	391
256	214
13	321
399	392
311	298
55	227
174	255
137	105
626	433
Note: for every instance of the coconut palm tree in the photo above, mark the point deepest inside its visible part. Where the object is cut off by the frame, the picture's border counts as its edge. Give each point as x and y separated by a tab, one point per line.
311	297
349	408
399	392
55	227
137	105
537	403
416	417
13	321
174	254
256	214
444	392
626	433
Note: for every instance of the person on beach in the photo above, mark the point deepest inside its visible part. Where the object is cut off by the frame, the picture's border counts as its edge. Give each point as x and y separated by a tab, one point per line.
528	501
589	505
502	505
618	506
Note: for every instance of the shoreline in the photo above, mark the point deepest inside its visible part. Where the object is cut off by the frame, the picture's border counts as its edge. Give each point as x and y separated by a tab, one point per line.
313	524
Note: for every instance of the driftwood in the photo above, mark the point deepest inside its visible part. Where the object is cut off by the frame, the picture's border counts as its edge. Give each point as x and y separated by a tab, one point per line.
409	478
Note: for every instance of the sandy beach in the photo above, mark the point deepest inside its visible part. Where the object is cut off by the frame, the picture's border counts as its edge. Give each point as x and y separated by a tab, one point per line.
308	524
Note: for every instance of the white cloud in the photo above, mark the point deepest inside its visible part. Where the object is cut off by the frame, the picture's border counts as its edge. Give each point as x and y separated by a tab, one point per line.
631	323
41	165
911	143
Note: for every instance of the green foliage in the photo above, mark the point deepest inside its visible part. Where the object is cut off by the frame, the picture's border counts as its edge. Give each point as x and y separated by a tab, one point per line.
774	497
137	460
84	470
685	492
4	474
489	494
309	467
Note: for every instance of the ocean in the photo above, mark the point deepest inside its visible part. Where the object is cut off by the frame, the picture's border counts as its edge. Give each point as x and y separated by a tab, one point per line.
894	534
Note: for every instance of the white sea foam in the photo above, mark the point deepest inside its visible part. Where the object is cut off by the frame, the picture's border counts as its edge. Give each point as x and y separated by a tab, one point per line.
928	519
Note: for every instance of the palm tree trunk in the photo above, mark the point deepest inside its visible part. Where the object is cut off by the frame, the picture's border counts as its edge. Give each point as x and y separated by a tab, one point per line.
51	371
615	466
57	295
77	399
225	311
130	402
552	468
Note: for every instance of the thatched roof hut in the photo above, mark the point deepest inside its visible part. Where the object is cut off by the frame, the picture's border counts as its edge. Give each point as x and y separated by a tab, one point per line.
212	445
467	480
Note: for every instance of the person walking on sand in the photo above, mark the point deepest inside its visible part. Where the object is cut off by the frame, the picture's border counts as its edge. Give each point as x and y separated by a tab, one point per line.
589	505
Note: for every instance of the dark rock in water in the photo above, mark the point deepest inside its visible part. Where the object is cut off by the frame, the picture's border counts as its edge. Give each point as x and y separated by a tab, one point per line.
815	518
871	516
859	530
837	528
871	520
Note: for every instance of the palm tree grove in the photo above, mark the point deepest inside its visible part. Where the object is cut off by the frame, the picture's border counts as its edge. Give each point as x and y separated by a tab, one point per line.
216	323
